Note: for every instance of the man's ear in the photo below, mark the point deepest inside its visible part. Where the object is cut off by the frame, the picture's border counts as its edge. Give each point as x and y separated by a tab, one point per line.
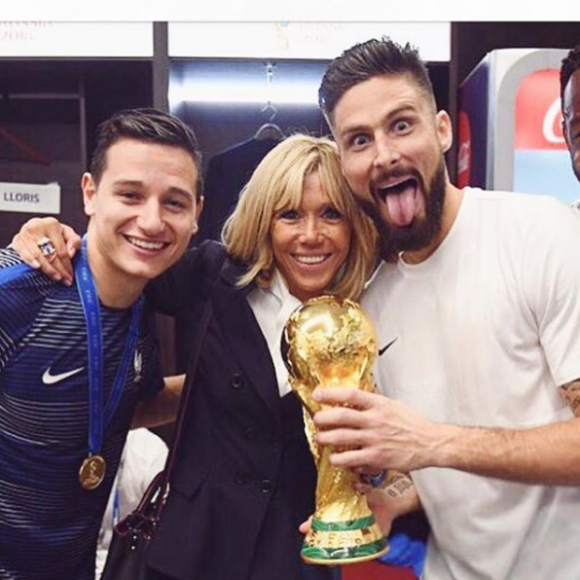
198	209
565	132
444	130
89	188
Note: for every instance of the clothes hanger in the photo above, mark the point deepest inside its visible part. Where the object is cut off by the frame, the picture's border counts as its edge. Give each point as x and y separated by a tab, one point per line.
269	130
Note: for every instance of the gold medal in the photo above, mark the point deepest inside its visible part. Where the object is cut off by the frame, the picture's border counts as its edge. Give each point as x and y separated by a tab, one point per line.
92	472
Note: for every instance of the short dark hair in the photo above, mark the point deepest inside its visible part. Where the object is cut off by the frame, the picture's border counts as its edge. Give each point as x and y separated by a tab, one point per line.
149	125
367	60
570	65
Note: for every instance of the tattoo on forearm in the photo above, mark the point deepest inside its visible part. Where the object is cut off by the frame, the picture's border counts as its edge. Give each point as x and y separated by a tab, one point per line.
571	393
397	483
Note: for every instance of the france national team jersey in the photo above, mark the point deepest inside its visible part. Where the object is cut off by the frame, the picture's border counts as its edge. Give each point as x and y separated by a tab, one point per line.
48	522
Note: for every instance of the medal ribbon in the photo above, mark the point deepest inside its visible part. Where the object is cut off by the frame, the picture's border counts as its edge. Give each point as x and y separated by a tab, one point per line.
99	419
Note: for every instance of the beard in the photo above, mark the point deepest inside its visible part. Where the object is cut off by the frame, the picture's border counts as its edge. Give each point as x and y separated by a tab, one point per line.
421	231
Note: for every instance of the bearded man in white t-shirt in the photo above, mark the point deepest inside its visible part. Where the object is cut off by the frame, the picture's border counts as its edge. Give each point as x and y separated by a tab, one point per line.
478	295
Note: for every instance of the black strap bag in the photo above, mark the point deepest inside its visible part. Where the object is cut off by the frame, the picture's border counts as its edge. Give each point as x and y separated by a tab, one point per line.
127	556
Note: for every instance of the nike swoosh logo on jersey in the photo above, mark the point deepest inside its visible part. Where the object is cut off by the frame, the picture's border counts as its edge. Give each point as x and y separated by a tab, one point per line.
384	349
49	379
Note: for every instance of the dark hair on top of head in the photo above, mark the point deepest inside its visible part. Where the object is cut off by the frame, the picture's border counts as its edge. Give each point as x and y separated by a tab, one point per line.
148	125
570	64
367	60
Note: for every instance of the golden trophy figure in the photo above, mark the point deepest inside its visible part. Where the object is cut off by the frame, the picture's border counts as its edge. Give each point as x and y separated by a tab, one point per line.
331	342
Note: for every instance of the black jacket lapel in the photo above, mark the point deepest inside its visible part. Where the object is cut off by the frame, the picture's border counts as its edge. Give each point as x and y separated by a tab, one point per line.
242	331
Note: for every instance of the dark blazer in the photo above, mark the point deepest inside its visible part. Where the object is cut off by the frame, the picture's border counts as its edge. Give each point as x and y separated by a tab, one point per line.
244	478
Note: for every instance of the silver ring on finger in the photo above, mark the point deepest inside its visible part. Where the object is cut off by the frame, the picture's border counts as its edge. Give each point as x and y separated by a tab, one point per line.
46	247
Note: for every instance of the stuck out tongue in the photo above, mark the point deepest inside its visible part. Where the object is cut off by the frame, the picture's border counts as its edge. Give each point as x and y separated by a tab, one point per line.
402	206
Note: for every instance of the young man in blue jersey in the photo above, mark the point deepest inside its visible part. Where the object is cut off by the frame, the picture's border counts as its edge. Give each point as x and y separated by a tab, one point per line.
76	360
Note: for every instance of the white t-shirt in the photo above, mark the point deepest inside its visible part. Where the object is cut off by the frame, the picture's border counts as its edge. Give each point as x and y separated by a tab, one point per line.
487	328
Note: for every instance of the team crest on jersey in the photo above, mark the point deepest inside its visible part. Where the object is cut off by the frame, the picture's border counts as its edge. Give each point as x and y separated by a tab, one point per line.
137	365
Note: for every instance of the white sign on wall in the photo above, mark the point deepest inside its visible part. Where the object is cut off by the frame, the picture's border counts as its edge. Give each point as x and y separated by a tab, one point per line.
301	40
76	39
30	197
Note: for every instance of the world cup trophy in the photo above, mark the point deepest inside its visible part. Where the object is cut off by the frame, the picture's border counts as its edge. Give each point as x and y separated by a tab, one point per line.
329	341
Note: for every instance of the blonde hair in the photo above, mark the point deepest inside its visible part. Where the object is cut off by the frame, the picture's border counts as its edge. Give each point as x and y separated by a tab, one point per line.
277	184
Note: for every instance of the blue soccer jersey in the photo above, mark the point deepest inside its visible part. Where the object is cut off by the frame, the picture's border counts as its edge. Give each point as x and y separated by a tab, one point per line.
48	522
